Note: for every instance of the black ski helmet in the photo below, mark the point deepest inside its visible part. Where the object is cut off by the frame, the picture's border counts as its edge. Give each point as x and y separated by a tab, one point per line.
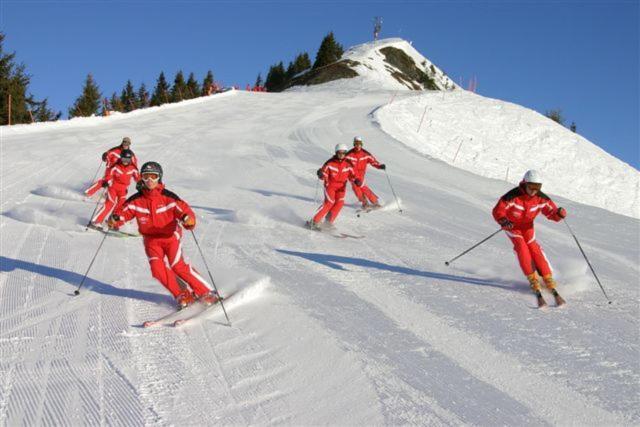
126	154
152	167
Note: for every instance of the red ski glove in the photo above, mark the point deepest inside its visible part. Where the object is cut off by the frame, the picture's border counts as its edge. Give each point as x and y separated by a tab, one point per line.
188	222
562	213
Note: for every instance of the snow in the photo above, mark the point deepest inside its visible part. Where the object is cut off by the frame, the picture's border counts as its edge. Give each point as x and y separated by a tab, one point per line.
348	331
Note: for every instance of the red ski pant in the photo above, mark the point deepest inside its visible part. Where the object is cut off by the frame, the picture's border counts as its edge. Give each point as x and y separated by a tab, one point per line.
530	255
333	202
166	261
364	192
116	196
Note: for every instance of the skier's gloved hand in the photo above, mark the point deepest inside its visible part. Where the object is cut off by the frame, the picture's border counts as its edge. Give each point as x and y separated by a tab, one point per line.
188	222
505	224
382	166
357	182
105	184
561	212
112	222
139	185
320	174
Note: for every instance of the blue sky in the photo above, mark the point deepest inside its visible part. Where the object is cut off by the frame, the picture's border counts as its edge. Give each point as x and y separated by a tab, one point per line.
578	56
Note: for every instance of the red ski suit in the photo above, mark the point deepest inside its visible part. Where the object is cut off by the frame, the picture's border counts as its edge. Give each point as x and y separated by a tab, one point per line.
118	180
335	174
158	213
521	209
360	159
111	157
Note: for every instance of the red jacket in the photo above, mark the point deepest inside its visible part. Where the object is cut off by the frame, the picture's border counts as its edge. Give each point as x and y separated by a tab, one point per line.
120	175
336	172
360	159
521	209
157	212
112	156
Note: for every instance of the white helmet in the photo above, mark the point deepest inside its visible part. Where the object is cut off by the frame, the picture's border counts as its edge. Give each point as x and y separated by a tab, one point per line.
341	147
357	139
533	176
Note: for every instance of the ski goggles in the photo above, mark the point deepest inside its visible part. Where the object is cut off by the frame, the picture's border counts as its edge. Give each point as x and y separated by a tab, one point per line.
357	143
341	153
150	177
533	186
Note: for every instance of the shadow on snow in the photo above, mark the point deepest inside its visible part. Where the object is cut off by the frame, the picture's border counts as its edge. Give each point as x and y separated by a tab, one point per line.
74	279
335	262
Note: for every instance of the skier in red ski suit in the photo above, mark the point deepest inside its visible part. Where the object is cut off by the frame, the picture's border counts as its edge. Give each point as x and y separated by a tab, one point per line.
360	159
515	212
117	185
111	157
335	173
159	213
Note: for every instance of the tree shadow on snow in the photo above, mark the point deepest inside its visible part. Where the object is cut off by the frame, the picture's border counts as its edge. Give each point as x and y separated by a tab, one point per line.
335	262
74	279
269	193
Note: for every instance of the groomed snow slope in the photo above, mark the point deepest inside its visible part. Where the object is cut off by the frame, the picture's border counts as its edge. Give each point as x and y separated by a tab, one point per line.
328	331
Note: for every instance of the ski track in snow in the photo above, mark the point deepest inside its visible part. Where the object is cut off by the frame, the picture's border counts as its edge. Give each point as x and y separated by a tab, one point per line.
377	329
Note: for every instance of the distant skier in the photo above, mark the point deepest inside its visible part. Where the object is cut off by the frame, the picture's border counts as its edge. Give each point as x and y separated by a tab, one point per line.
515	212
361	158
159	213
335	173
111	157
117	184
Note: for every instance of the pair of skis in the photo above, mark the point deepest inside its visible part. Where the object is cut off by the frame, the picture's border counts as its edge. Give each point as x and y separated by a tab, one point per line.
186	315
115	233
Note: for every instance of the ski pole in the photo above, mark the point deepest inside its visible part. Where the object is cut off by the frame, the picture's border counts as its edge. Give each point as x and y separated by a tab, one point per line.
211	277
96	174
393	191
95	209
77	291
586	259
473	247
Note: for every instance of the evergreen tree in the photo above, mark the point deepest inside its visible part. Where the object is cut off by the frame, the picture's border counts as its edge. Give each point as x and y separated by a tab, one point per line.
193	88
208	81
88	103
329	52
276	78
300	64
115	104
179	89
42	113
128	97
14	81
143	96
258	80
573	127
556	116
161	92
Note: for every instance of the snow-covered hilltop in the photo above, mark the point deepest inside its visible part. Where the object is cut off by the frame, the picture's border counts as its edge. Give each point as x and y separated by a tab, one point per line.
374	330
383	64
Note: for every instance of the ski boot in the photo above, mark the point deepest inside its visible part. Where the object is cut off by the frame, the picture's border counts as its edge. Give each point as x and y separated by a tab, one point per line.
535	287
184	299
313	225
209	298
550	283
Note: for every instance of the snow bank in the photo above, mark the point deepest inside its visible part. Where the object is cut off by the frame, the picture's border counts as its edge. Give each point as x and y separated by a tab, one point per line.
500	140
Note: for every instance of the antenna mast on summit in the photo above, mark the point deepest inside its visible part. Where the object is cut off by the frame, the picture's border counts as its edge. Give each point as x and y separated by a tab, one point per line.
377	26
